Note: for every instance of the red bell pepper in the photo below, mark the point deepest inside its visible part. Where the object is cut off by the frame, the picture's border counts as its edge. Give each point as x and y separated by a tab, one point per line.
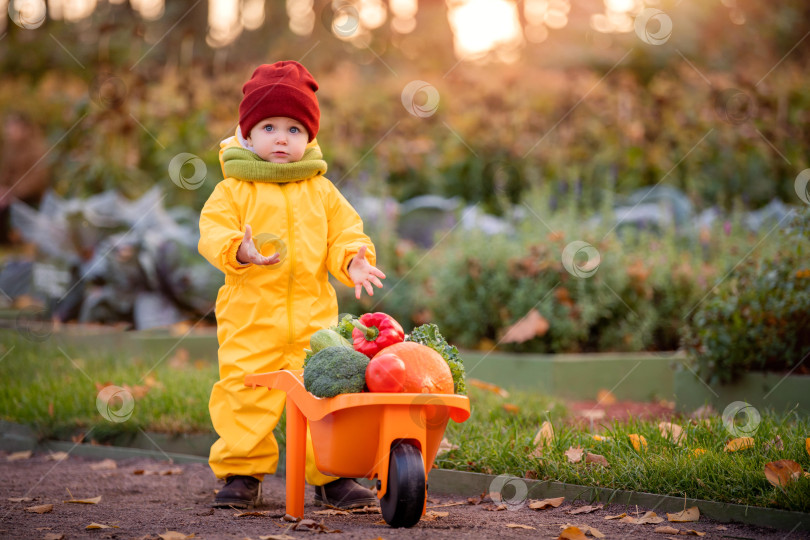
374	332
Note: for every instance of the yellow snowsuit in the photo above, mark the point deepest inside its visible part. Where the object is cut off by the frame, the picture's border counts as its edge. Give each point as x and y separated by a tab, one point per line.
266	314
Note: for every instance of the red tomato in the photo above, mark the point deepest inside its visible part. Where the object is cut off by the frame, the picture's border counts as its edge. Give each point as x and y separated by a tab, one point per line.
386	373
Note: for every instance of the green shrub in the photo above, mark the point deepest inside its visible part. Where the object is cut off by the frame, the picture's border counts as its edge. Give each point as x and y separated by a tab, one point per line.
759	316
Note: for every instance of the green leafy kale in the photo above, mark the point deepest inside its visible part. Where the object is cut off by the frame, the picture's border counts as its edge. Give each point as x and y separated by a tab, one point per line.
428	334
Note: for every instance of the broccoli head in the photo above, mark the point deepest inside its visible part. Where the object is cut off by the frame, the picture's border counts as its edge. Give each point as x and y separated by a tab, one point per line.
335	370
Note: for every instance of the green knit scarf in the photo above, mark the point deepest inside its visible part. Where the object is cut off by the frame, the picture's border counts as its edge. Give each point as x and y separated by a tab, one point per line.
243	164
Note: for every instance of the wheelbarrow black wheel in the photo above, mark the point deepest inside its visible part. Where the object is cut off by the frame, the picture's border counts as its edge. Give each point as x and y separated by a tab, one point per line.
404	497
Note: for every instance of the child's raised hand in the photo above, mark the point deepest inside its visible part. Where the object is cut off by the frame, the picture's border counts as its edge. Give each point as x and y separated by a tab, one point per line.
364	274
247	252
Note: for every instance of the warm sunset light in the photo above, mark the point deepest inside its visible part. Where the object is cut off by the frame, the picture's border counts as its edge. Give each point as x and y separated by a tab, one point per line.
481	26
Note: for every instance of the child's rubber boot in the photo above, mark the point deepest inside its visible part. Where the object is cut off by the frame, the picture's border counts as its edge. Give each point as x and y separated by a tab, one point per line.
344	493
239	492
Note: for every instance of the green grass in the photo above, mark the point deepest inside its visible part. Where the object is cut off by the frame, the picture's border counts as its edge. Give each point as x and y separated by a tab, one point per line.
496	441
55	393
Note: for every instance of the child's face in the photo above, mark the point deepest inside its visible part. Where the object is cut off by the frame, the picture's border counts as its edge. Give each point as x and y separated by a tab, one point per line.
279	139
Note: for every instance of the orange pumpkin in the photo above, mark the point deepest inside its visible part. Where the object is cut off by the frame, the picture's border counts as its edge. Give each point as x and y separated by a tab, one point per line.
426	372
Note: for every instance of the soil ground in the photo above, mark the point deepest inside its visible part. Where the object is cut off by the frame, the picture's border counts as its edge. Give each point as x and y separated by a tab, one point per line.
150	504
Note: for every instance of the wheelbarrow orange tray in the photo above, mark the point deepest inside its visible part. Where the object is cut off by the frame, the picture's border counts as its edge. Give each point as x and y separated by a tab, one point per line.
390	437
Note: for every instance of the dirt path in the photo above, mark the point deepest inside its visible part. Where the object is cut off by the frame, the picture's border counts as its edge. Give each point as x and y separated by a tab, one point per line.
146	505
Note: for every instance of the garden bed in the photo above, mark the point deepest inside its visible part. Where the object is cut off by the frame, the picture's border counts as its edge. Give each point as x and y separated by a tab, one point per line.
781	392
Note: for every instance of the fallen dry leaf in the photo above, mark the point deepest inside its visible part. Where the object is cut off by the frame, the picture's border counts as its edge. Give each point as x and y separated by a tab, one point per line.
692	532
445	505
20	499
543	439
254	513
445	446
172	471
666	529
807	445
366	510
309	524
331	512
647	518
104	465
16	456
95	525
94	500
574	454
598	459
587	529
511	408
605	397
781	473
531	325
740	443
431	515
638	441
519	526
601	438
57	456
572	533
586	509
617	516
546	503
40	509
489	387
698	452
54	536
672	432
496	508
279	537
174	535
690	514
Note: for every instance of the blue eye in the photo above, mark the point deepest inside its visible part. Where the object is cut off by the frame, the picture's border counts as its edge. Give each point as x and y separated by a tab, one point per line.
294	130
268	127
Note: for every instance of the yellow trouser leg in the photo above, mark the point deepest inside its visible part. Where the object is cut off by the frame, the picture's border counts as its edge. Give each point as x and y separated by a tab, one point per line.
244	419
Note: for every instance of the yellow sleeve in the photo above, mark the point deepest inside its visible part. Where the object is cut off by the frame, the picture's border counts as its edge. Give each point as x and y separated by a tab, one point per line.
346	236
221	232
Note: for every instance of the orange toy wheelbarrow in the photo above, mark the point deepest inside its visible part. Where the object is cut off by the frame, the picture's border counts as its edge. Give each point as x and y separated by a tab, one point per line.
391	437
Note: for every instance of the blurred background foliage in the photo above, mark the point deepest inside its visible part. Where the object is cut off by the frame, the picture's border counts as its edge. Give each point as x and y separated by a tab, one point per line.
590	110
563	127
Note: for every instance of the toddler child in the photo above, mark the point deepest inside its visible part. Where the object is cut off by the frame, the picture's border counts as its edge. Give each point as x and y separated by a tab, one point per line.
269	307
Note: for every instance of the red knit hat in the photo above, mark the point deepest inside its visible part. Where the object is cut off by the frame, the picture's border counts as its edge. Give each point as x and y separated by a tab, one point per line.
285	88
